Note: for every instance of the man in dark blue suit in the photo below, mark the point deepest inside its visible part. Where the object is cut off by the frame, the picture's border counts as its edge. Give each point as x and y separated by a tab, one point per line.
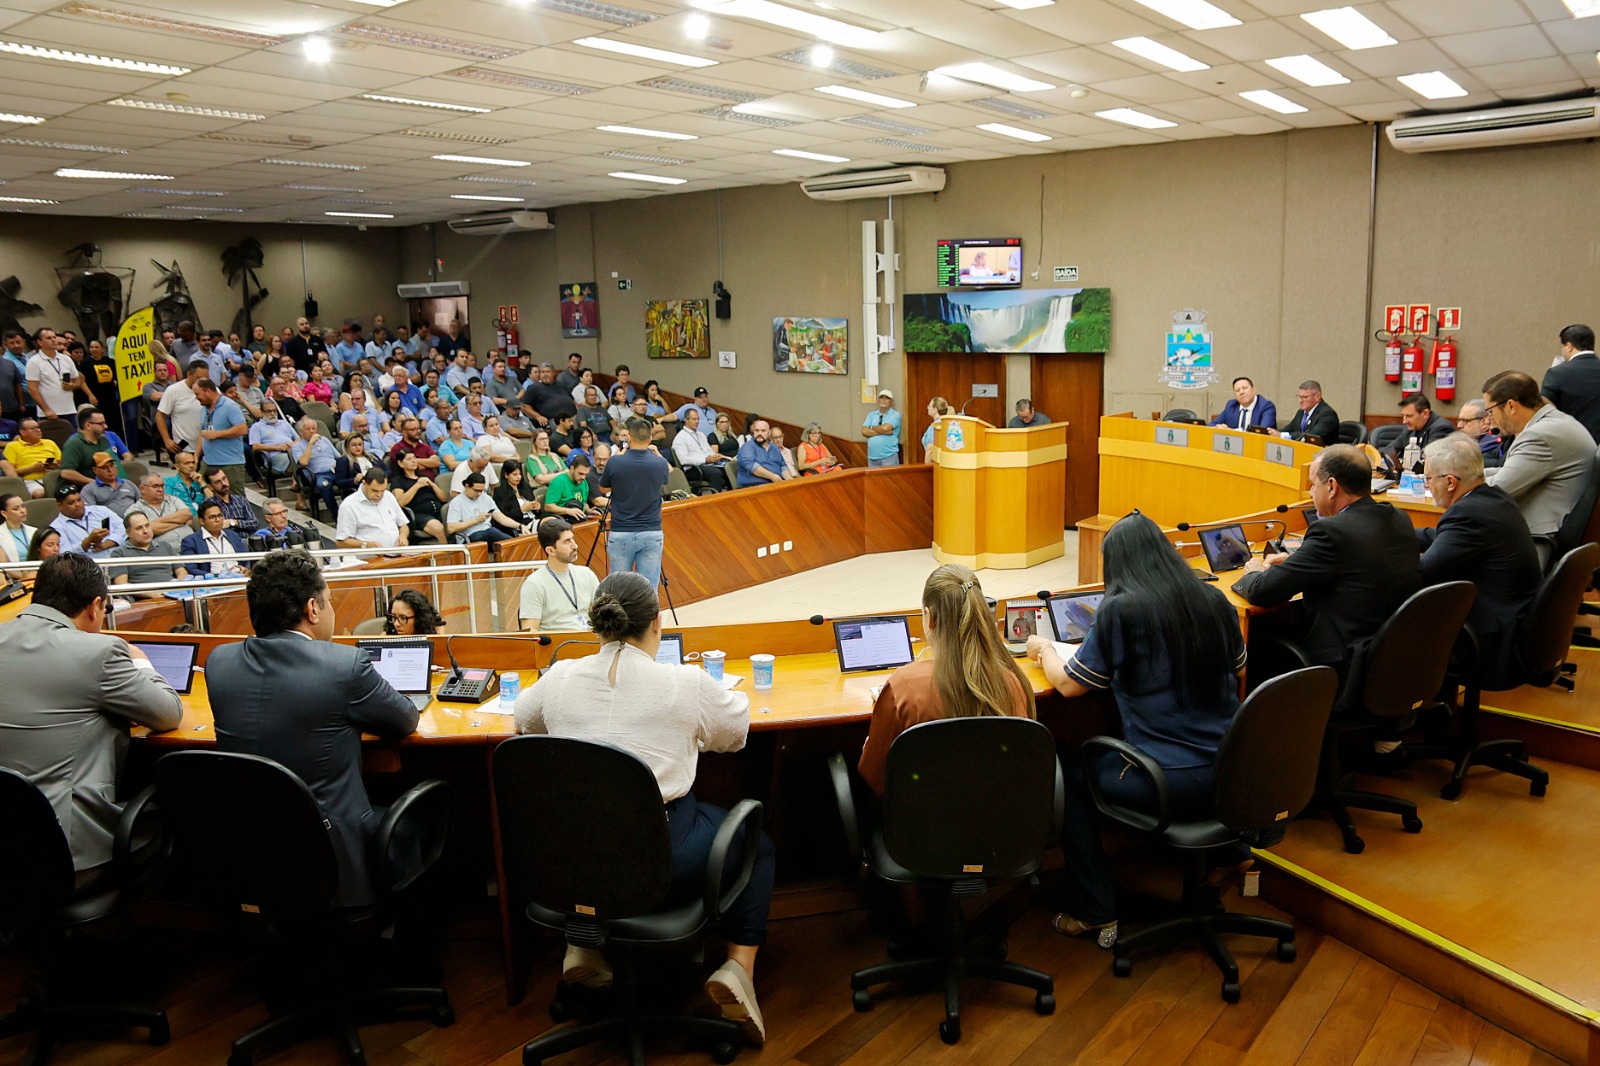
214	539
1247	408
1315	418
291	695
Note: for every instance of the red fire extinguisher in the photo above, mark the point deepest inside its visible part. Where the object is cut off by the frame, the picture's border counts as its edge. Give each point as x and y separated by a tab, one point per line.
1411	367
513	344
1444	367
1391	358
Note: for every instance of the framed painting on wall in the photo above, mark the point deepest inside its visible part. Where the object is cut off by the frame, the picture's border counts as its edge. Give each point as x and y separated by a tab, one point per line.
677	329
811	345
580	309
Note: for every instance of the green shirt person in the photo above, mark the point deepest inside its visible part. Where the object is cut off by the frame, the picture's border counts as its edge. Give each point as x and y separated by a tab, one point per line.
568	494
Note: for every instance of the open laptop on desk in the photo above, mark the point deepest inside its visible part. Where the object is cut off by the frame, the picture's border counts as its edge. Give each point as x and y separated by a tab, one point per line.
406	664
872	643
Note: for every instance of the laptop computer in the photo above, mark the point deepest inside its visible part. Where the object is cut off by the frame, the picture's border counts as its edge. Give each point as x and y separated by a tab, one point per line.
1024	618
174	661
872	643
406	664
1070	616
1226	548
671	649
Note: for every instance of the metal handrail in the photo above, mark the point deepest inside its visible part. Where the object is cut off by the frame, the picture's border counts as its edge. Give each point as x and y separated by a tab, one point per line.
320	553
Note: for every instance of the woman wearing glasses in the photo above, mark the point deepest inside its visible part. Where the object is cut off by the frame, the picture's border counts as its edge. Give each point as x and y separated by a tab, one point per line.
411	615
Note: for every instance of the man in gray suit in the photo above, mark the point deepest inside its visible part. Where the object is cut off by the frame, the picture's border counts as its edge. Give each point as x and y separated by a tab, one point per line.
71	692
1548	463
290	695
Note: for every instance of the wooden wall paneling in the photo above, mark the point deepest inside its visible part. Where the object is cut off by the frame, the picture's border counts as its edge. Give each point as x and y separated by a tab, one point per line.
1069	388
951	375
150	616
897	505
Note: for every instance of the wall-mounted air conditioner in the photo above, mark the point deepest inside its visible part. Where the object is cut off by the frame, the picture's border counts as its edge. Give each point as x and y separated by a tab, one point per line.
429	290
1558	120
504	222
901	181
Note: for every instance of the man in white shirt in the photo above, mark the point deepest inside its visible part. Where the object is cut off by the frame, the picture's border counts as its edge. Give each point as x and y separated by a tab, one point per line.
556	599
694	452
52	378
371	518
477	463
474	516
180	413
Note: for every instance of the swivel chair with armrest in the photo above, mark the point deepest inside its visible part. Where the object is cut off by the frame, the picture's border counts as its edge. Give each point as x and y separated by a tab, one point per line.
1581	526
1181	414
1388	437
1265	770
967	803
43	908
260	839
1352	432
595	865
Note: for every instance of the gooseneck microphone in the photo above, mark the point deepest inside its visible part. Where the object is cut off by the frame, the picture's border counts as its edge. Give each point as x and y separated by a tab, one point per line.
817	620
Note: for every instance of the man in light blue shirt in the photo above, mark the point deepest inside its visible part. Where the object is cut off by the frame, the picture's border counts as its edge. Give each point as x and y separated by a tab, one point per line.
701	403
410	395
882	430
206	349
438	425
413	345
317	457
760	461
271	438
379	347
348	352
222	435
461	372
85	528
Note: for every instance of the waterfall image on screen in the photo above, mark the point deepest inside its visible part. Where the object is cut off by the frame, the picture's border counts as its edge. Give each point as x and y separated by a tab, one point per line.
1030	320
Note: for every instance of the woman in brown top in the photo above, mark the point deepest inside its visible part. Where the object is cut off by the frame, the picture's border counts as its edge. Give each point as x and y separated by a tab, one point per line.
970	673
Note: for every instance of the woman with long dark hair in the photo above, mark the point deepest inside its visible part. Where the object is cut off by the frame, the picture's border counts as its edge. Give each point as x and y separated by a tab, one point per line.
1168	646
411	615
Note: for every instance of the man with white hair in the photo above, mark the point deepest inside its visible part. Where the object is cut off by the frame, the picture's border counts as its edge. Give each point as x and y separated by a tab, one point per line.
316	457
477	463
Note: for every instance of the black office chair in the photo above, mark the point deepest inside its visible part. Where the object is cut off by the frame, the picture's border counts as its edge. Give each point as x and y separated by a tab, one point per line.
1579	523
1352	433
43	911
1265	771
1543	639
258	836
1182	414
584	840
967	802
1388	438
1400	672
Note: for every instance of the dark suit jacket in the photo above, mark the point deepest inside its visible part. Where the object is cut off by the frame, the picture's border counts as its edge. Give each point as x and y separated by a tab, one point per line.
344	472
1354	568
1483	539
305	703
1265	414
1436	428
1574	387
1324	424
195	544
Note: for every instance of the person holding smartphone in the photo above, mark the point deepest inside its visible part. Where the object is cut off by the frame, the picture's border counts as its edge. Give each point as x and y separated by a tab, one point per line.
84	527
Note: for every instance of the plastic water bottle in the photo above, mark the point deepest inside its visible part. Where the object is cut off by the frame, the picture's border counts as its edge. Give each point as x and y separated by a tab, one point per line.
1412	457
510	685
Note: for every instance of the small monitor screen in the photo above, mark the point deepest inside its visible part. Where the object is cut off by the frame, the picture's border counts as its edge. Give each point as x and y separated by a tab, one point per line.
1023	620
175	662
1072	615
1311	516
987	262
671	649
873	643
405	664
1226	548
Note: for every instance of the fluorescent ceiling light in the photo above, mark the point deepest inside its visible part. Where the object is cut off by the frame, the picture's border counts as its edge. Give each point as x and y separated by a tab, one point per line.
1195	14
314	188
186	109
1349	27
426	103
864	97
819	26
180	192
411	39
317	49
26	200
1013	131
490	179
818	156
628	175
35	52
355	214
639	131
1128	116
1024	5
20	120
483	159
113	175
1160	53
313	163
1272	101
1308	71
821	55
1582	9
65	146
1433	84
639	51
491	199
989	74
697	27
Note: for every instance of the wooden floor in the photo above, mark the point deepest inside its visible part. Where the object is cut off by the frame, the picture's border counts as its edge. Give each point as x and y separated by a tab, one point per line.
1333	1005
1579	708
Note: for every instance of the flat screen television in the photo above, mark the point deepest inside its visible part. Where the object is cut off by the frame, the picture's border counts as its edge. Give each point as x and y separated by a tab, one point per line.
980	263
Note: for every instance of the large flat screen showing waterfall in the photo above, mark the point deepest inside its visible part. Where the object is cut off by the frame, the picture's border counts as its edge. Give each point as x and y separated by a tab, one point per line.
980	263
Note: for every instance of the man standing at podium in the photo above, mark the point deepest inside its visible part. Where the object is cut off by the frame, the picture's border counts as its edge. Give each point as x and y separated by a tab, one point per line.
882	431
1315	418
1247	408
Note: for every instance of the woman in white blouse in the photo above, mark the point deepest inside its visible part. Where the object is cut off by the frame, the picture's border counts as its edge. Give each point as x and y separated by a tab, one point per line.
502	446
666	715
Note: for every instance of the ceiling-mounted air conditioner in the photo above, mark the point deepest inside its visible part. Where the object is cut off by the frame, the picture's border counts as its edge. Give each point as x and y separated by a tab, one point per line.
429	290
503	222
1557	120
863	185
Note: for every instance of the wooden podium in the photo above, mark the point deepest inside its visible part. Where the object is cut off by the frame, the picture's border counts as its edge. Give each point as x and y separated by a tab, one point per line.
999	495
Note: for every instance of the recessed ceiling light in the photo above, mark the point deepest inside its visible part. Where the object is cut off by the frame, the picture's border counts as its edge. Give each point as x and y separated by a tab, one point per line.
1433	84
1308	71
177	26
1195	14
821	27
989	74
521	81
599	11
111	175
66	146
862	96
1025	5
180	192
639	51
490	179
355	214
202	207
1015	132
1160	53
317	49
821	55
640	131
320	188
697	27
1128	116
313	163
186	109
407	101
1582	9
35	52
628	175
490	199
484	160
1349	27
26	200
372	31
818	156
873	122
644	157
359	200
452	135
905	146
1272	101
19	120
696	88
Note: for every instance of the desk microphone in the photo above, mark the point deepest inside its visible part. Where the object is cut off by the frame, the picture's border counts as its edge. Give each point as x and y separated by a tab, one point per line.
455	667
565	643
817	620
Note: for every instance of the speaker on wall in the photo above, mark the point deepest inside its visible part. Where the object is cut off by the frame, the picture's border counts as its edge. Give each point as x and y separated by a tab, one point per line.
724	300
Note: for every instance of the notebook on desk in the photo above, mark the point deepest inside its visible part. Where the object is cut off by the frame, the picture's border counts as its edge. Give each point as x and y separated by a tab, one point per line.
406	664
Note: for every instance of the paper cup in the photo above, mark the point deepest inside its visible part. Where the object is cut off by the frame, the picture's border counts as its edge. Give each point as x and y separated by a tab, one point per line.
713	661
761	669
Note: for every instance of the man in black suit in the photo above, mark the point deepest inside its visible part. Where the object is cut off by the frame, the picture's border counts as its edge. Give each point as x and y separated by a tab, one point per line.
1315	418
1574	384
1425	425
1482	538
1354	567
291	695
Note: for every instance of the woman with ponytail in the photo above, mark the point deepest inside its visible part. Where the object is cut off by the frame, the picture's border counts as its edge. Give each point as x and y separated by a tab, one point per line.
970	672
666	715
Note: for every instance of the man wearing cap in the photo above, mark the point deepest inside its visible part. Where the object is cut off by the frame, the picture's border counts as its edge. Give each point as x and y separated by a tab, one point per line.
348	352
702	404
110	489
79	453
87	530
882	430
